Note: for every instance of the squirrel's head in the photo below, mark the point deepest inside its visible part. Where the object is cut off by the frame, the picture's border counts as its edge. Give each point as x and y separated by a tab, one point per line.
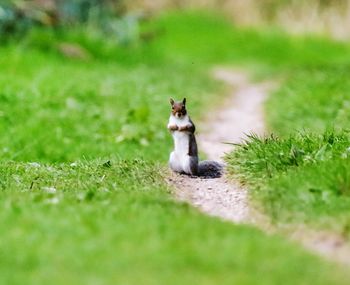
178	109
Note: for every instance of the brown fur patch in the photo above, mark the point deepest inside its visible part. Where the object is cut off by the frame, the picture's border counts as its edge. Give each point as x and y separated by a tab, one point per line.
178	108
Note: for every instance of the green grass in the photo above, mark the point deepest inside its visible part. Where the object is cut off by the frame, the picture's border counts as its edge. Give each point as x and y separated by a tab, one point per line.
300	174
312	99
70	217
88	223
299	179
58	110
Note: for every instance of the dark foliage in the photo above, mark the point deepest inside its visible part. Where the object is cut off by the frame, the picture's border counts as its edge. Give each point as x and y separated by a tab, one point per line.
18	17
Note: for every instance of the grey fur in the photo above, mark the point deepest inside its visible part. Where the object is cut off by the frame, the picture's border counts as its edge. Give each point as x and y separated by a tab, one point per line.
194	165
210	169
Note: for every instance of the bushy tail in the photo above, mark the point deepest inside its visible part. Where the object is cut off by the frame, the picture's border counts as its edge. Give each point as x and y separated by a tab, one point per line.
210	169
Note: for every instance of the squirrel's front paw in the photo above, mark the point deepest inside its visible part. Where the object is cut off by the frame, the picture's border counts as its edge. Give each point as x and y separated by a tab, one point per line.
173	128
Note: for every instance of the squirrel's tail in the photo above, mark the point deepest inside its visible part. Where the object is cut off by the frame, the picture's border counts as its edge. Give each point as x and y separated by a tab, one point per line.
210	169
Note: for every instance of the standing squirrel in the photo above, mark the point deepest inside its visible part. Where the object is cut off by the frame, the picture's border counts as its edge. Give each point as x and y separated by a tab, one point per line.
184	158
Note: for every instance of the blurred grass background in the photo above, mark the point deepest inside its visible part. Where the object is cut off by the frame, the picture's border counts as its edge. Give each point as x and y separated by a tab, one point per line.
324	17
327	17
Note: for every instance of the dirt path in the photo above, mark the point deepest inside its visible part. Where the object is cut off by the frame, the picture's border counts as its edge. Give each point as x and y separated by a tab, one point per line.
241	113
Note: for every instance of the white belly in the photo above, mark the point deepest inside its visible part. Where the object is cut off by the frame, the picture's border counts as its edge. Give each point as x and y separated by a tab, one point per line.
181	141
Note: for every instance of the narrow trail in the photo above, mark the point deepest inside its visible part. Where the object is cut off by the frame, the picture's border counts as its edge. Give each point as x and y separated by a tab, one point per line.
241	114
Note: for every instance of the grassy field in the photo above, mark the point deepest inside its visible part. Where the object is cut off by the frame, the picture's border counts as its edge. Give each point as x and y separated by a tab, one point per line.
300	174
83	151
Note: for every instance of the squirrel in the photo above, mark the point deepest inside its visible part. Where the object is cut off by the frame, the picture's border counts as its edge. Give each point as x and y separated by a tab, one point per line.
184	158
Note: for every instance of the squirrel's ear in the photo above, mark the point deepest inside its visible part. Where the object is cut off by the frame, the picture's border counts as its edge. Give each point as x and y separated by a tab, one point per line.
172	101
184	101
